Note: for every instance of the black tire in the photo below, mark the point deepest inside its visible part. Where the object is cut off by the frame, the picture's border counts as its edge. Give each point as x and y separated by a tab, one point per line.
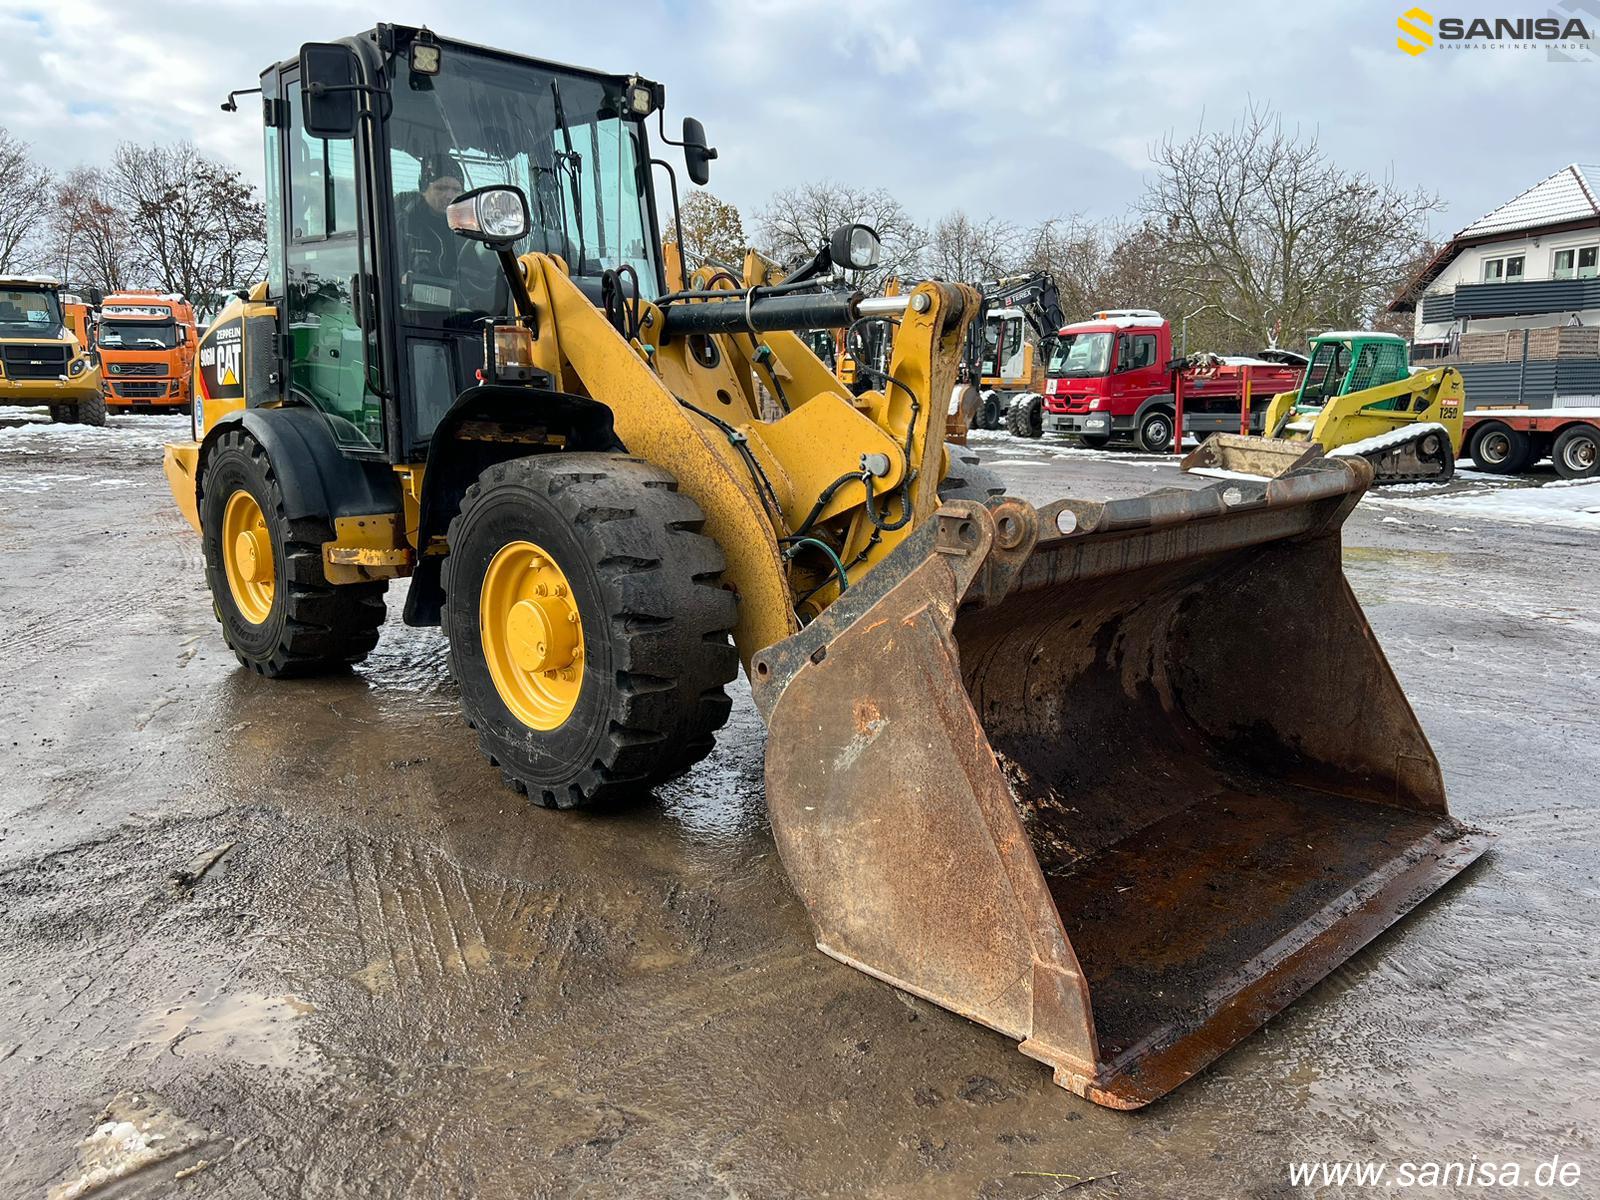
1025	416
1576	453
1095	441
64	414
1154	435
647	584
1498	448
969	479
93	410
313	626
990	414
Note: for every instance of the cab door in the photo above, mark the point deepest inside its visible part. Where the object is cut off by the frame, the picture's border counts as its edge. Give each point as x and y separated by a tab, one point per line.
329	318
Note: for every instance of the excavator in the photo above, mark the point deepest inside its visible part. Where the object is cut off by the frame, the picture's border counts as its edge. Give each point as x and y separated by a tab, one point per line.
1020	323
1047	767
1358	398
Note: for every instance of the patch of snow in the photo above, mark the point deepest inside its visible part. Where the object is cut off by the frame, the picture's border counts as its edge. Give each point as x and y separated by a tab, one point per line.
1224	473
1576	505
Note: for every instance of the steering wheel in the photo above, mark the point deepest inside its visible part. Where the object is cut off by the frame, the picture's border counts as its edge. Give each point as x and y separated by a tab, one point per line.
479	279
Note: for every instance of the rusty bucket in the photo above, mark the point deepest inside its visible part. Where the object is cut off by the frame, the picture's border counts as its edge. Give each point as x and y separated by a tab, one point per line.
1118	780
1239	454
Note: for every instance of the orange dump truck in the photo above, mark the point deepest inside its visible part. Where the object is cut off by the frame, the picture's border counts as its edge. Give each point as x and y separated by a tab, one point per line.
146	343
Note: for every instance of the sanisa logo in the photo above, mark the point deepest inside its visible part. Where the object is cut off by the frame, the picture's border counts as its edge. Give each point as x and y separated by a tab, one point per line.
1417	32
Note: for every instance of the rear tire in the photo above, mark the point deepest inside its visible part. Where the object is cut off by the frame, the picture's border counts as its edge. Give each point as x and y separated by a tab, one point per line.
646	586
1499	449
969	479
285	619
1025	416
1154	435
1576	453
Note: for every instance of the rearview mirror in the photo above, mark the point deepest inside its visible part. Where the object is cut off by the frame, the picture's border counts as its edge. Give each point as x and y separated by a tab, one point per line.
855	247
696	154
329	79
496	215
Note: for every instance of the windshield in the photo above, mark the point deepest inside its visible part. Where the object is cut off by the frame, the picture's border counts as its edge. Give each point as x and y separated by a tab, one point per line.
557	136
138	335
1326	372
26	311
1081	354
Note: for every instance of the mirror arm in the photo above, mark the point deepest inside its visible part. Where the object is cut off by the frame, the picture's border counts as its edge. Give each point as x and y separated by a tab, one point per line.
519	289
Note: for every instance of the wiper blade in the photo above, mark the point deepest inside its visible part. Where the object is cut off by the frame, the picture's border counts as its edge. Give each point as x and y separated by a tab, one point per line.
572	161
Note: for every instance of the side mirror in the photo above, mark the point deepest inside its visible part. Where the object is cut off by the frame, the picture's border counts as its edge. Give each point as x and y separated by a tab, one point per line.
855	247
496	215
696	154
329	79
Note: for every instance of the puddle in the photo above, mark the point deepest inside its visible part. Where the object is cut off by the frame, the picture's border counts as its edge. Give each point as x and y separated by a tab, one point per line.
133	1136
245	1027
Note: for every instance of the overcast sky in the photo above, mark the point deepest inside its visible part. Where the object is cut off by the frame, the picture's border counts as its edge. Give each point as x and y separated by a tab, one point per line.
1027	109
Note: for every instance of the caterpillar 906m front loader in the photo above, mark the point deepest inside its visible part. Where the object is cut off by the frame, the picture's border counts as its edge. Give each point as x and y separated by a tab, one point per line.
1118	780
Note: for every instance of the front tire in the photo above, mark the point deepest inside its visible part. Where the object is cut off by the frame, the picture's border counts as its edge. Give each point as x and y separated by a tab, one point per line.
93	410
64	414
1500	449
278	611
1095	441
1155	432
611	679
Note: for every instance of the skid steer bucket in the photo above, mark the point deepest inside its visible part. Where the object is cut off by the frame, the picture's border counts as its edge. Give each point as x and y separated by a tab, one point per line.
1121	793
1260	457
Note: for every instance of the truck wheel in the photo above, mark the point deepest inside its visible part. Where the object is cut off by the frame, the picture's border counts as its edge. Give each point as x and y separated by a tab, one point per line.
588	625
1025	417
93	410
278	611
64	414
1500	449
1095	441
990	414
1154	435
1577	453
969	479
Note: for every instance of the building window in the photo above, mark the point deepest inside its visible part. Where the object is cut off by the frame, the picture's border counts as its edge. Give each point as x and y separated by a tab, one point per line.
1579	262
1503	270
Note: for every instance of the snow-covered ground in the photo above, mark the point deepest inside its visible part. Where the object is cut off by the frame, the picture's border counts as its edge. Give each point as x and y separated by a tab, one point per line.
30	431
1568	503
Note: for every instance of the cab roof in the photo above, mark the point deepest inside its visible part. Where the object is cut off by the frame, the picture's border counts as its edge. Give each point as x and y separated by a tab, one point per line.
29	281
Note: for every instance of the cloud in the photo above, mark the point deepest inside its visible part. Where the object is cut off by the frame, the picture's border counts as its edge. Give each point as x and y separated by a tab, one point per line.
1023	108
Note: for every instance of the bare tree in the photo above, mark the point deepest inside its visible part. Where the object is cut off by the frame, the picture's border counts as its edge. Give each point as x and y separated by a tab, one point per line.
1257	220
93	245
25	204
713	231
798	220
965	250
197	227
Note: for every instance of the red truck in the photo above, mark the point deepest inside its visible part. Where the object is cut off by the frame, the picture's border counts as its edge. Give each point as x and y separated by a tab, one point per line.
1113	377
1508	440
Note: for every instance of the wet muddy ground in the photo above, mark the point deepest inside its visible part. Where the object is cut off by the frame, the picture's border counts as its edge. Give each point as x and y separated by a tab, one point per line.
294	939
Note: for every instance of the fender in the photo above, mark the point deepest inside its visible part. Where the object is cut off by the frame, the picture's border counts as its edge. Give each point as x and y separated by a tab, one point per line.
318	479
490	424
1159	400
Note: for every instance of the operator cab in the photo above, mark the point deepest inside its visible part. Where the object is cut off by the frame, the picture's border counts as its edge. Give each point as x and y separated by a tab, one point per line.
369	140
1343	362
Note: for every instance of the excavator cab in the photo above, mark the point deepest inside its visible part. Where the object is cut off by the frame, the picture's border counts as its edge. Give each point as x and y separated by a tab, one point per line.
1118	780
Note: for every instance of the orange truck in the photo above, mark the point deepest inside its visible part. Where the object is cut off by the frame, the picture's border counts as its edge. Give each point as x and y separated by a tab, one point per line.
146	342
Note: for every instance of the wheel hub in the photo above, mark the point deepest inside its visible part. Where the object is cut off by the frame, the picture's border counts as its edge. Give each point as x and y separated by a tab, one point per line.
532	635
247	557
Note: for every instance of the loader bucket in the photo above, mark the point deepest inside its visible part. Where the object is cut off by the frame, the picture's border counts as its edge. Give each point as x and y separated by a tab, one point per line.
1121	793
1260	457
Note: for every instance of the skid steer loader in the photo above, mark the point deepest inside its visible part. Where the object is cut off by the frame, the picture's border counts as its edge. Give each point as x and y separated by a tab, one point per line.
1047	767
1358	398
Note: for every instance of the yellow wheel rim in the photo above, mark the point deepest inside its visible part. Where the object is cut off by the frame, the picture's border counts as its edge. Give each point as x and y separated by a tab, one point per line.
247	557
532	635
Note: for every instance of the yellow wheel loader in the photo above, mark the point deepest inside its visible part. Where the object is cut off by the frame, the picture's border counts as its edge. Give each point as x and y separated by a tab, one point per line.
1358	398
1047	767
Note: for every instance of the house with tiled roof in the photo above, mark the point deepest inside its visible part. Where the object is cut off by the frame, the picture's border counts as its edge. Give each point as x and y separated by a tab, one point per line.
1514	298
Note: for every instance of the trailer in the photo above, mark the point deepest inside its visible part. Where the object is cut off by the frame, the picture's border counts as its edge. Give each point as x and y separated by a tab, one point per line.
1508	440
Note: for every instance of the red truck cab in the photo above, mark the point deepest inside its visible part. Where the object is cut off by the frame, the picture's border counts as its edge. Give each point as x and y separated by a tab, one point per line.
1111	378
